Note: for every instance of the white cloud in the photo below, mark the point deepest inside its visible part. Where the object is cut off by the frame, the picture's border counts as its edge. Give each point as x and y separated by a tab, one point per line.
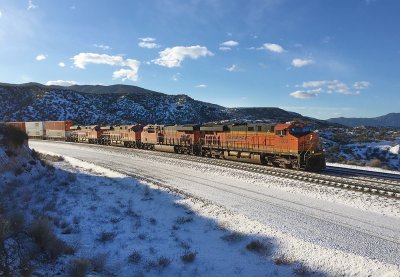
82	59
41	57
31	6
328	86
61	64
224	48
273	47
361	85
230	43
306	94
173	57
147	39
301	63
232	68
131	73
102	46
148	42
1	14
201	86
62	83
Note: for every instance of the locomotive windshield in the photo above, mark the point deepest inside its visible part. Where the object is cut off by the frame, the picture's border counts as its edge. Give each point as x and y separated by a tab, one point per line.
299	130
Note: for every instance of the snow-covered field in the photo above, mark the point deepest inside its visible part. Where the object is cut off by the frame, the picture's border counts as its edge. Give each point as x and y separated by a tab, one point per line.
128	212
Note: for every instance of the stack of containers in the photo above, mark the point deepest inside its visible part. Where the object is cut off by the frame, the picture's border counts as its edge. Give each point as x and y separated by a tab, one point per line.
35	129
56	130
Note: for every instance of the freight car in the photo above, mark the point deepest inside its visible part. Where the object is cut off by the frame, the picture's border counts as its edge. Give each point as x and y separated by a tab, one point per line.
289	145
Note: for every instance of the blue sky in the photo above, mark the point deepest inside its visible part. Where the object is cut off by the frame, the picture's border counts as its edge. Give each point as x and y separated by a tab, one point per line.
321	58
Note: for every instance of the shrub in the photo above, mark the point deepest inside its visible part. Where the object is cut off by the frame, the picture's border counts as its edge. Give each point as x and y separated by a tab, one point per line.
43	236
183	219
188	257
163	262
233	237
282	260
14	135
135	257
257	246
79	267
106	236
375	163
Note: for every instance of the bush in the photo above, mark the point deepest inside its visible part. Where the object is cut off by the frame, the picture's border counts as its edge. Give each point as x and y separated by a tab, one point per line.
257	246
375	163
135	257
282	260
43	236
163	262
188	257
233	237
13	134
106	236
183	219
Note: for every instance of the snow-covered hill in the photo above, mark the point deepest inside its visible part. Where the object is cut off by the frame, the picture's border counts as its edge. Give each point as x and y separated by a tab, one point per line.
119	104
363	147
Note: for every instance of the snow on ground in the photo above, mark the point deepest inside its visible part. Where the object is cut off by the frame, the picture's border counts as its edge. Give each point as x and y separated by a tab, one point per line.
355	199
186	224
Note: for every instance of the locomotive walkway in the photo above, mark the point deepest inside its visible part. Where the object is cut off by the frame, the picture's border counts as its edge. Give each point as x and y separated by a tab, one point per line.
326	223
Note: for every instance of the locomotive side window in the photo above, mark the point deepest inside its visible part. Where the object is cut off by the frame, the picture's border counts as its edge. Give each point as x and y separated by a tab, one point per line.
280	132
251	129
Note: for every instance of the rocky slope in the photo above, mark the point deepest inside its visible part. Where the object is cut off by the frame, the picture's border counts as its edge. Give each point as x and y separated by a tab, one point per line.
121	104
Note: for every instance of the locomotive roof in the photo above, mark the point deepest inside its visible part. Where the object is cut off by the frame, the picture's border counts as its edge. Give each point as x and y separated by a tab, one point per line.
214	128
186	127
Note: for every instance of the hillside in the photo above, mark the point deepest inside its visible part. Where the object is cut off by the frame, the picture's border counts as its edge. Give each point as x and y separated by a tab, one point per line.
388	120
92	104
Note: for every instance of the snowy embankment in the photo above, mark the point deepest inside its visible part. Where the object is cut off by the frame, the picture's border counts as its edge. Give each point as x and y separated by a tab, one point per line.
150	227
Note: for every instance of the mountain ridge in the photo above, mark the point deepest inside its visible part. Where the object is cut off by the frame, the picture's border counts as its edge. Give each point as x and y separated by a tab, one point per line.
97	104
387	120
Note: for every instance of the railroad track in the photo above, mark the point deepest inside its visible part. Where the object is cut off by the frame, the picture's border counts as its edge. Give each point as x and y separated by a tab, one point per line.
363	173
351	180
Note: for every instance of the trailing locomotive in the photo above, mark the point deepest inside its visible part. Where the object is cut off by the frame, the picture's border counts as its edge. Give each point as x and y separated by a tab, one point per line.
289	145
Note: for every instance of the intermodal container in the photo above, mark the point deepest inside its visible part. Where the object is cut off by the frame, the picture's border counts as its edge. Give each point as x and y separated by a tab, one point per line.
57	129
35	129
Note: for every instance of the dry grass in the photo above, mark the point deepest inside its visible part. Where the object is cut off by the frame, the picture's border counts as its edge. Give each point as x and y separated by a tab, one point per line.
43	235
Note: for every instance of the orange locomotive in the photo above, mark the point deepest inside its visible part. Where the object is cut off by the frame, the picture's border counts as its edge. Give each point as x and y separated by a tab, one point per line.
289	145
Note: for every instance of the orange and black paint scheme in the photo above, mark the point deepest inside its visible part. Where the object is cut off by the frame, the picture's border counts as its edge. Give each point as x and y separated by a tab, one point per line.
289	145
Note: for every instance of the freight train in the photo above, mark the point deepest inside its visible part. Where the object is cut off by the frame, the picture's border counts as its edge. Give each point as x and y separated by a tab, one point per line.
289	145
